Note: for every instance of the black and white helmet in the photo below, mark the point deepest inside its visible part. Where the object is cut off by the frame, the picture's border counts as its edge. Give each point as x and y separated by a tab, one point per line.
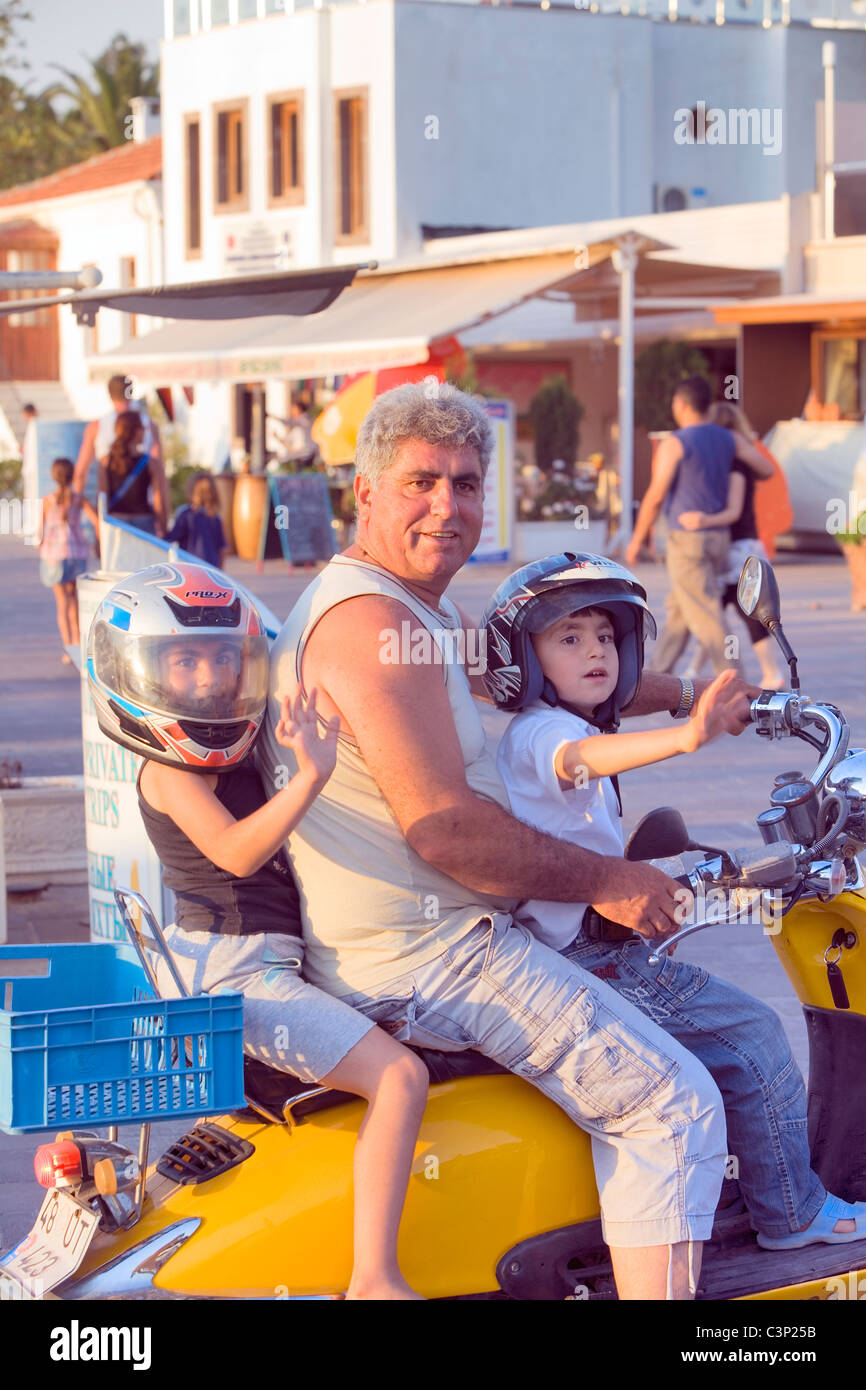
537	596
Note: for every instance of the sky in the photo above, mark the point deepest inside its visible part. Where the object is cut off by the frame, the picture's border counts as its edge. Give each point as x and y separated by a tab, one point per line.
61	31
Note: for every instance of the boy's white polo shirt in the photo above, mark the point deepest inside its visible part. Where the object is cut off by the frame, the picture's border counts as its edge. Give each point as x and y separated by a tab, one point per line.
587	815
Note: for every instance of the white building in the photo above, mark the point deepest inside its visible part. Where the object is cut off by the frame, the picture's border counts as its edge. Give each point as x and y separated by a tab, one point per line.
306	136
298	135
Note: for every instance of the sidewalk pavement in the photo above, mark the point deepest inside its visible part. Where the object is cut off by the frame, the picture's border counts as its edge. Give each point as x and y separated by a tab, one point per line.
719	792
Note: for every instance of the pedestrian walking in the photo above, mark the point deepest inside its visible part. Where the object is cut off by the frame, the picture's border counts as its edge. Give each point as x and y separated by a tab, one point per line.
739	516
64	549
100	434
691	474
297	446
198	527
133	482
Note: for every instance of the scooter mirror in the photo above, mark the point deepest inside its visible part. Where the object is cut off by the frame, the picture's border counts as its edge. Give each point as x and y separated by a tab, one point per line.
758	592
758	597
659	834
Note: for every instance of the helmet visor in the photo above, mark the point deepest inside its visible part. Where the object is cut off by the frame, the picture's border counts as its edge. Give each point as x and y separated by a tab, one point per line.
202	676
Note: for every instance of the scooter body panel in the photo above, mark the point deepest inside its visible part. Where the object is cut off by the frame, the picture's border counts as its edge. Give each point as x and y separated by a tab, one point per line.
496	1162
807	931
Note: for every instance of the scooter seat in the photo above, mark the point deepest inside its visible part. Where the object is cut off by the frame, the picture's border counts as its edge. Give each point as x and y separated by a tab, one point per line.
271	1088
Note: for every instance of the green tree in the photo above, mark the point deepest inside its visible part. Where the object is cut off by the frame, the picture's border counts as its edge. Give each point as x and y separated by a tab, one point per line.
657	372
40	137
12	12
99	104
28	147
555	413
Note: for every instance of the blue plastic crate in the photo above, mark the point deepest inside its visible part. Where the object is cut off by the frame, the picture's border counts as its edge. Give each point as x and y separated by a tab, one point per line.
84	1042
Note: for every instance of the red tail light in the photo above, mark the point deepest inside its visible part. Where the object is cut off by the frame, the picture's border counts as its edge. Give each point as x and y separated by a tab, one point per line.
58	1161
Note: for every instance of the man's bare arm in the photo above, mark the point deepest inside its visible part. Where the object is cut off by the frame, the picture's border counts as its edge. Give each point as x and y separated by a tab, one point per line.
665	466
401	718
659	693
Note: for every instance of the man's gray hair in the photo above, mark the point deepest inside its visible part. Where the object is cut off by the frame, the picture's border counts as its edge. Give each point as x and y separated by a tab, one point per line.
431	411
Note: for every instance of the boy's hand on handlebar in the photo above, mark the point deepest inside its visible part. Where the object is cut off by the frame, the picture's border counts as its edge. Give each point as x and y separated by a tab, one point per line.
298	729
742	693
641	897
715	713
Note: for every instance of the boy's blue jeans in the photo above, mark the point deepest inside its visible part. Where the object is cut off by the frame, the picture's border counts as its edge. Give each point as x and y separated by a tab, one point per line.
742	1044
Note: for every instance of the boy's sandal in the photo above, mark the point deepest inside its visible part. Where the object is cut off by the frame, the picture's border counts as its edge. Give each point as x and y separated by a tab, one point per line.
821	1230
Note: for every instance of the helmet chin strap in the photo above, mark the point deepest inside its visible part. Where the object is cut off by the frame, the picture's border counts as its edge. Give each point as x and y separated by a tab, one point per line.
550	696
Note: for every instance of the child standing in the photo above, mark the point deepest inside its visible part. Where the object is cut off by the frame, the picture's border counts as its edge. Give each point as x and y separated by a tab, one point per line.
178	670
64	549
198	527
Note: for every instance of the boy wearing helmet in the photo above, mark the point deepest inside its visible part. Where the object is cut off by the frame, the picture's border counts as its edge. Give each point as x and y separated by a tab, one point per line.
565	647
565	641
177	667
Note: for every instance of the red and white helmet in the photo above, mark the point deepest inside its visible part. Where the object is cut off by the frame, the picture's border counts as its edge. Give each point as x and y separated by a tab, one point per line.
177	665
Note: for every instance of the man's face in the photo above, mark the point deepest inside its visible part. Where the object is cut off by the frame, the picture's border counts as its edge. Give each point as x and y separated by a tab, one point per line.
423	519
678	406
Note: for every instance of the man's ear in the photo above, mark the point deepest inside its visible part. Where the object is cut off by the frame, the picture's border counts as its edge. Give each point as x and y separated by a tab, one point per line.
363	489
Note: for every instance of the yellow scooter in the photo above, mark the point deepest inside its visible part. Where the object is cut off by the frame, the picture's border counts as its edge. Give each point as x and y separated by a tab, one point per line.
502	1200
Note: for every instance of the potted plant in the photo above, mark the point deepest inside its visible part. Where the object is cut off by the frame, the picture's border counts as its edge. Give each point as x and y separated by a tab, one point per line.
555	413
554	512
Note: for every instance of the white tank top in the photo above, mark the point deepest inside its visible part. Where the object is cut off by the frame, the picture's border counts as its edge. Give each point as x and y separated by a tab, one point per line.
372	908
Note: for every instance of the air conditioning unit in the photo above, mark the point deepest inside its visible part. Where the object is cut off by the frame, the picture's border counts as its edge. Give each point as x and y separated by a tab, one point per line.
674	197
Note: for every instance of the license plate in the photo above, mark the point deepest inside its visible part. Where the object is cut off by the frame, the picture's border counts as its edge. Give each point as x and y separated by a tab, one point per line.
52	1251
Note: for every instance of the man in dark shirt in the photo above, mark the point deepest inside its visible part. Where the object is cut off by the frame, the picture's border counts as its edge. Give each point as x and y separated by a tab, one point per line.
691	473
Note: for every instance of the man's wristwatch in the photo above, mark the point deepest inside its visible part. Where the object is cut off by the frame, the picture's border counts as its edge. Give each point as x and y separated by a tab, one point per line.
687	699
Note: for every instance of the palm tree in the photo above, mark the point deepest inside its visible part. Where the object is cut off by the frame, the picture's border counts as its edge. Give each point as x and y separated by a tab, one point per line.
97	119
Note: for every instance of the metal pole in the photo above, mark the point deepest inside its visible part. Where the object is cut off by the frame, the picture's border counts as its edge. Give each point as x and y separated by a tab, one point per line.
86	279
257	441
625	258
3	927
828	60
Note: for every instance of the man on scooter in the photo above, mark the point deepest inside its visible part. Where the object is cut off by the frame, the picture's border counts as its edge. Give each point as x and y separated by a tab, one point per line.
411	864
